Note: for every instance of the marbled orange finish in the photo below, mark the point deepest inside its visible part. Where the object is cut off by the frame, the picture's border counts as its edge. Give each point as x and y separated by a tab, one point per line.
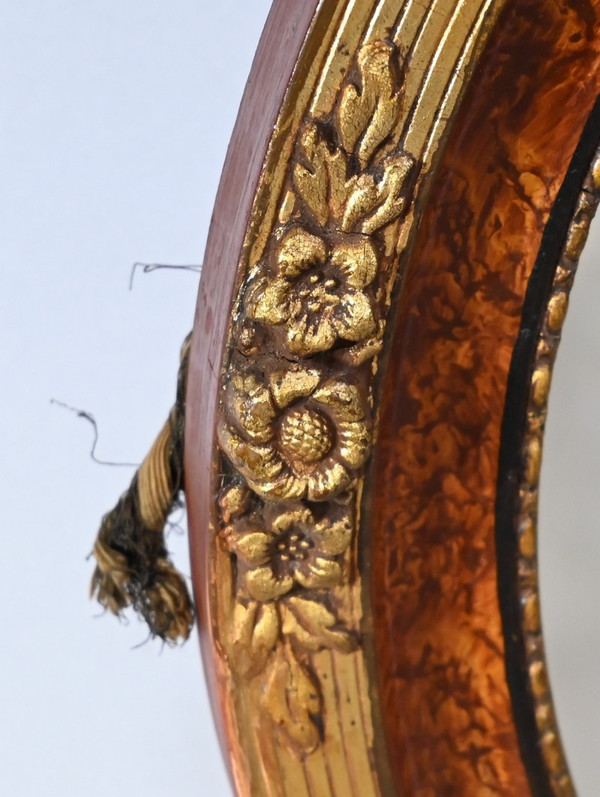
429	527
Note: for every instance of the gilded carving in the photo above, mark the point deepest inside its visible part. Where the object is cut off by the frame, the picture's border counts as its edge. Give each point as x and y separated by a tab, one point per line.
295	424
541	378
317	294
300	435
284	545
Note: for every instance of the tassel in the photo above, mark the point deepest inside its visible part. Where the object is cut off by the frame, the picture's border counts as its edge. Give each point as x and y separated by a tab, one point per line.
133	568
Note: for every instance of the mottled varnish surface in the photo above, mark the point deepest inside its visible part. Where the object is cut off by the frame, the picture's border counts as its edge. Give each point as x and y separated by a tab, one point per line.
439	648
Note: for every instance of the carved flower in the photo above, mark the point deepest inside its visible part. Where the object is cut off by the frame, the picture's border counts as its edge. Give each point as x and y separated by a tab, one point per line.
317	292
285	545
295	434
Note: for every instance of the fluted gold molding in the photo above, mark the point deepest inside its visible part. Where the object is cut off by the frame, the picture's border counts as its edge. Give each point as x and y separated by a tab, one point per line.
341	188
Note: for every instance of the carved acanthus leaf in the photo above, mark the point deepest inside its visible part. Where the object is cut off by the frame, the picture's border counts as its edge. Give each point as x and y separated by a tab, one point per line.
255	634
293	700
367	115
373	203
320	179
334	177
314	627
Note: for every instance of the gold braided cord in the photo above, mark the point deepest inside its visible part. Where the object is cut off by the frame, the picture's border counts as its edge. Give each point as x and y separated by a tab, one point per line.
154	480
133	568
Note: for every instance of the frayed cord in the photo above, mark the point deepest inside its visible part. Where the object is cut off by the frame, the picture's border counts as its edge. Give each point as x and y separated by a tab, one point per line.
133	567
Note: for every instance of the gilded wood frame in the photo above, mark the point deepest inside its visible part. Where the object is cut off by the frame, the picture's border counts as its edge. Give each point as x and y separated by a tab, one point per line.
405	197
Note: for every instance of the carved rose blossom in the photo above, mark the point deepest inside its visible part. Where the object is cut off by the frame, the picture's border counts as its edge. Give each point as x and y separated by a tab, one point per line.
284	546
317	293
297	435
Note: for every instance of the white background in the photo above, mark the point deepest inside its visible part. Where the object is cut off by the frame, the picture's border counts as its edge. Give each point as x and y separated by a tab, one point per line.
114	119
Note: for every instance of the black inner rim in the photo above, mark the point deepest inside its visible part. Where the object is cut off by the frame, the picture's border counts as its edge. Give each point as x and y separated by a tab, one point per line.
512	439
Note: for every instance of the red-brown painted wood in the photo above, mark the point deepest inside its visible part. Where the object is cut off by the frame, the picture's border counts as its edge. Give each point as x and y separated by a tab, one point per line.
275	60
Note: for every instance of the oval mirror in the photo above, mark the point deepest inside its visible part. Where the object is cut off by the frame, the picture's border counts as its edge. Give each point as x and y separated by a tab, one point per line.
569	542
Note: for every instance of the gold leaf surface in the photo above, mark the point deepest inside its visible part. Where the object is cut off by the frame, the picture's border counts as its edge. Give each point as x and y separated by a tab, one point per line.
293	700
315	627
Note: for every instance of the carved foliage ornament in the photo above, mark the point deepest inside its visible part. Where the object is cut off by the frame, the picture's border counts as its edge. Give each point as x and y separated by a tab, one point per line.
295	426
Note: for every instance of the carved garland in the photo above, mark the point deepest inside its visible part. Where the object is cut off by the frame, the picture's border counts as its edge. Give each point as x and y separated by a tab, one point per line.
295	426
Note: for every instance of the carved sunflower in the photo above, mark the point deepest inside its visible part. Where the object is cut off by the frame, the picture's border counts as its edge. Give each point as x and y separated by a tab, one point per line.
295	434
317	293
284	546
